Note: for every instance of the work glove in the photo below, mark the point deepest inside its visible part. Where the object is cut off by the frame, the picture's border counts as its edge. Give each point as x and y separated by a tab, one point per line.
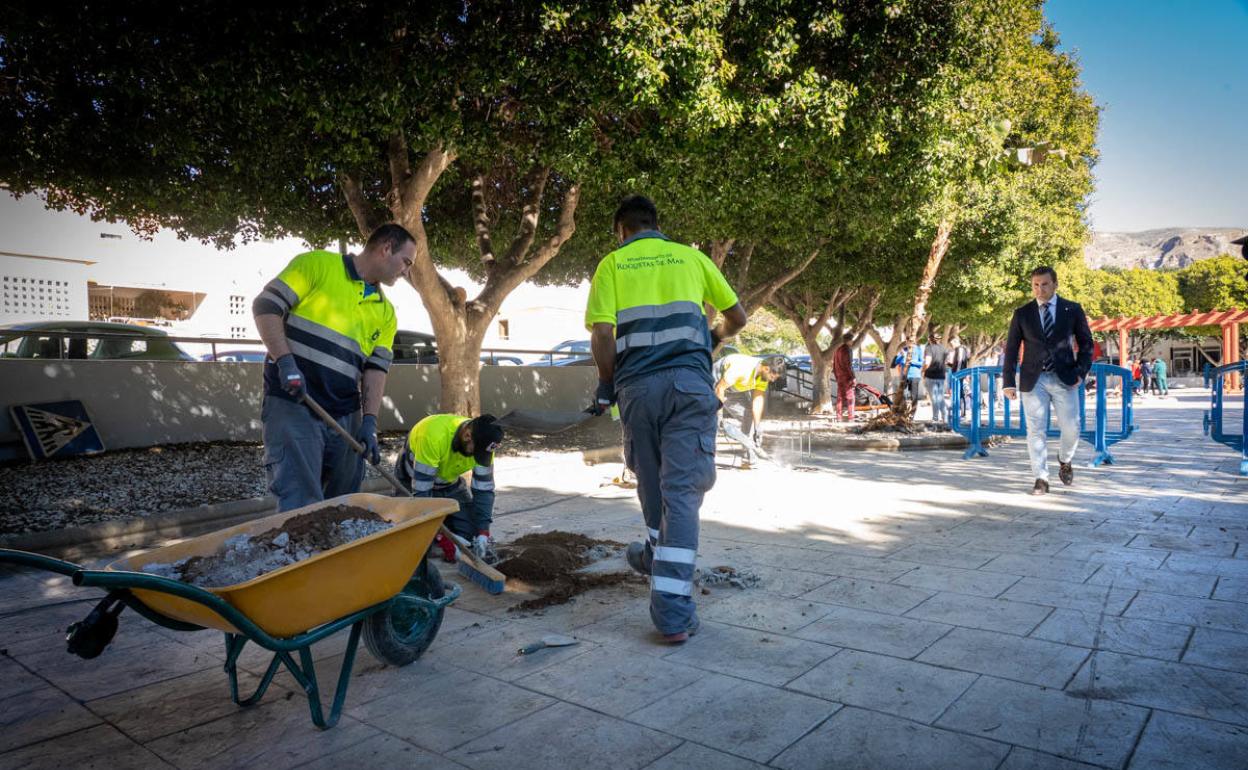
483	546
604	397
290	377
447	548
367	436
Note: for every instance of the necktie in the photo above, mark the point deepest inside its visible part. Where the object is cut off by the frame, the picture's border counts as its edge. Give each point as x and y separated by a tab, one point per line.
1046	323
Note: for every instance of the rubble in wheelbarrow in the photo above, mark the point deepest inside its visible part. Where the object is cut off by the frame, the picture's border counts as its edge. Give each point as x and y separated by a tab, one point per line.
244	557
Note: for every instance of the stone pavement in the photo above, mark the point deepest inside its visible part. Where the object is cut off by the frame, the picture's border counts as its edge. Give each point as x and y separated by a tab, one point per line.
917	611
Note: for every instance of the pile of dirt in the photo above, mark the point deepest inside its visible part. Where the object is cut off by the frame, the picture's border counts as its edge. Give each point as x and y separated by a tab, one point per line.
244	557
550	560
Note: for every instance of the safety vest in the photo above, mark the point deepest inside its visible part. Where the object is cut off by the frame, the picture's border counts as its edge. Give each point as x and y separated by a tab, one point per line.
337	326
653	291
740	372
433	460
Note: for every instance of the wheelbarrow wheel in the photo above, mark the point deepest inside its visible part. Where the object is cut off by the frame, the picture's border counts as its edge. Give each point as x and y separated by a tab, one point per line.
403	631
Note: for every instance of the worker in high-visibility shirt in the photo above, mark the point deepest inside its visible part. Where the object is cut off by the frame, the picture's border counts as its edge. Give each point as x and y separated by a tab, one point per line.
440	450
741	383
329	330
652	345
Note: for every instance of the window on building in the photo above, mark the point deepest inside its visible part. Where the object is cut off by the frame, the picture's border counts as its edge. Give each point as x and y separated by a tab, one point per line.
504	330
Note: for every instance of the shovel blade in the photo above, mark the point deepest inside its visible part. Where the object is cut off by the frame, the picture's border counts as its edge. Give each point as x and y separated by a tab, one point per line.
542	421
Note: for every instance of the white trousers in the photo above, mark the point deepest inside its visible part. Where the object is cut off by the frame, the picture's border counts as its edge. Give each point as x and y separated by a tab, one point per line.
1064	403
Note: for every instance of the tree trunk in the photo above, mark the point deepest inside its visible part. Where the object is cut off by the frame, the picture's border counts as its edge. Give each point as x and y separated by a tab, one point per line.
821	399
935	255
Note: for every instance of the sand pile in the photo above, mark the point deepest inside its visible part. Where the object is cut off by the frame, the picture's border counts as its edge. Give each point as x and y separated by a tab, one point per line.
549	561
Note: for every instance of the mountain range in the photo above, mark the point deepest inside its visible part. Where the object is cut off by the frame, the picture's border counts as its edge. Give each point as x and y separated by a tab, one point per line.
1164	249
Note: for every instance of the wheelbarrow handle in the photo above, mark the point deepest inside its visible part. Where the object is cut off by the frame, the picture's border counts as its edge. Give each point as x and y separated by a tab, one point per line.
38	561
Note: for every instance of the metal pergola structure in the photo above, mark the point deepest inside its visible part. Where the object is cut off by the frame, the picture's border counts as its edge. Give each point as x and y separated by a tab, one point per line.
1228	320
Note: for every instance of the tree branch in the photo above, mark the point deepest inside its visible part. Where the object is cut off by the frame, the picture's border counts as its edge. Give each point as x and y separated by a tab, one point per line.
760	295
504	280
481	221
366	219
400	170
535	187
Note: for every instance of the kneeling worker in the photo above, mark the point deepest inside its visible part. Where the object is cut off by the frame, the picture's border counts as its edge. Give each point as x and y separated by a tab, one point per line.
442	448
740	378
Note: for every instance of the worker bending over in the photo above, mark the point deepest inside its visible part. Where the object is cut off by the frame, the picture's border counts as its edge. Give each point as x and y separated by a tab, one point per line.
741	383
441	449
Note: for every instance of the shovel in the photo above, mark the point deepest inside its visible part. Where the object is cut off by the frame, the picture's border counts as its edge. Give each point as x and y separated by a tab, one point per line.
542	421
554	640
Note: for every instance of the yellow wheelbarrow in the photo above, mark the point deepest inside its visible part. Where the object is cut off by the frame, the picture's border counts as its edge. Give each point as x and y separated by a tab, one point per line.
380	586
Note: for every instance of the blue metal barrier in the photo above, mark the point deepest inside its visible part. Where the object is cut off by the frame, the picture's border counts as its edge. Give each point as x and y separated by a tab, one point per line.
1215	380
984	421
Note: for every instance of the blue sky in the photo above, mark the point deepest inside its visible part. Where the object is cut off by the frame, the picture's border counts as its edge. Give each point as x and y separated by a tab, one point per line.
1171	77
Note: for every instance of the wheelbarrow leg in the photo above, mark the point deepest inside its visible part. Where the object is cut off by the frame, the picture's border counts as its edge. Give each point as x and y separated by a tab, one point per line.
234	644
305	674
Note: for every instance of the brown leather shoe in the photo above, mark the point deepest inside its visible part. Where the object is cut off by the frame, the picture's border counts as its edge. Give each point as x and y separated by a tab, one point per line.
1041	487
1066	473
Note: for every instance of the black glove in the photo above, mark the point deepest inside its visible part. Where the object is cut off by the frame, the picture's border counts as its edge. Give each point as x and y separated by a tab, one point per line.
289	375
367	435
604	396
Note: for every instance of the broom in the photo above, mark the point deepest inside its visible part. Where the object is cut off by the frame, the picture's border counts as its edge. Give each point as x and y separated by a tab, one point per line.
470	566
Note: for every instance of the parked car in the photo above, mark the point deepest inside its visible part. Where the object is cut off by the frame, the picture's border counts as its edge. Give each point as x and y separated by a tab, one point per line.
494	359
81	340
868	364
235	356
415	347
568	353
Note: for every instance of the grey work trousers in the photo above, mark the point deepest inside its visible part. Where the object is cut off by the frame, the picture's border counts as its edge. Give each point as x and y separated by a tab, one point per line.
738	422
464	521
306	461
669	442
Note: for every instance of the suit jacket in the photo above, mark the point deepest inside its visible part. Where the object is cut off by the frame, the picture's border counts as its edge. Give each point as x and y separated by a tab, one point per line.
1071	348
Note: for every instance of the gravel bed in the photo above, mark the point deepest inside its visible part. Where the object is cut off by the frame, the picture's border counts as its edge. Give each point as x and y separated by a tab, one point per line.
134	483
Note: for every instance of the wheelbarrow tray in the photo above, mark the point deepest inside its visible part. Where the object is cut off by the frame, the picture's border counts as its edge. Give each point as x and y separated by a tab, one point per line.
325	587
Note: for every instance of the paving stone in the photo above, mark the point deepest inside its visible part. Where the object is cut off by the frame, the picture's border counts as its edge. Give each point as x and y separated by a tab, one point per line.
1149	638
881	597
786	582
742	718
117	669
630	630
15	680
881	683
964	558
35	589
273	736
1173	742
1094	731
1193	690
958	581
1185	544
1042	567
854	739
1155	580
1207	565
874	632
1229	616
1231	590
1026	759
755	609
852	566
1104	554
1071	596
611	681
1218	649
691	756
1006	656
759	656
382	751
443	710
493	652
99	748
45	627
978	612
37	715
546	739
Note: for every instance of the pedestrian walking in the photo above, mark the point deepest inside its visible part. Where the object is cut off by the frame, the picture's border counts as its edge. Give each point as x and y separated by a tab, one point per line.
329	332
1160	373
652	346
1057	355
1146	376
934	374
914	371
846	381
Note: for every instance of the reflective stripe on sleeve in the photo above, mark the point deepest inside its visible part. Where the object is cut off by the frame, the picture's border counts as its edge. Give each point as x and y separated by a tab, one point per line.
286	294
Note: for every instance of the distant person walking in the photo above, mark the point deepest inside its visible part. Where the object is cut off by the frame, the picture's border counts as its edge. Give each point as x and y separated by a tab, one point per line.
958	359
934	374
914	371
1160	372
1146	376
1057	355
846	383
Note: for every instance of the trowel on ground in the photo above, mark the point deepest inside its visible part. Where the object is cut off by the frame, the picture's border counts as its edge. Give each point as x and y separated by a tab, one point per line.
553	640
542	421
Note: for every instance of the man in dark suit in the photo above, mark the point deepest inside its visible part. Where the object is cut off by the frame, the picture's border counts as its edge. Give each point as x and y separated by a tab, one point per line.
1057	355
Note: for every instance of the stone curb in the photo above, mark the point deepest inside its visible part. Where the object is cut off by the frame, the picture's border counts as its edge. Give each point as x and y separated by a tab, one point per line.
137	532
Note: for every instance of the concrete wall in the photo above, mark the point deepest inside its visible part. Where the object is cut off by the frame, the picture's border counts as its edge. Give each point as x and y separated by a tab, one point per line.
145	403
